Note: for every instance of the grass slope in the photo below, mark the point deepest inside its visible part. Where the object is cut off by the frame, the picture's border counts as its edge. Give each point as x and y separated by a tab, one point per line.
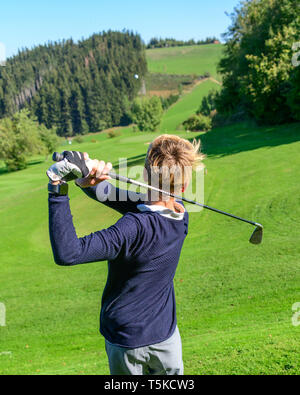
185	60
234	299
186	106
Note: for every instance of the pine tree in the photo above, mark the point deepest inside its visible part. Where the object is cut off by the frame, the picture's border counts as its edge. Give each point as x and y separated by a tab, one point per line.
77	87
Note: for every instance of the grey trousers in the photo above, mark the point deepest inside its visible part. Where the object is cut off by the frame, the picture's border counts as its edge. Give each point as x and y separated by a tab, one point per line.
158	359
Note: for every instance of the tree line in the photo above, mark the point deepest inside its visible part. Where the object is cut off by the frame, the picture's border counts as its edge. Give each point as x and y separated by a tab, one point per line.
172	42
75	87
260	68
22	136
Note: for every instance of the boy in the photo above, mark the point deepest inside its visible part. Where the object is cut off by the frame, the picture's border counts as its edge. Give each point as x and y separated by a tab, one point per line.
138	314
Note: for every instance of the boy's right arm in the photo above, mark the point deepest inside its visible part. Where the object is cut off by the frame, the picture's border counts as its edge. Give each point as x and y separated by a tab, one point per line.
96	187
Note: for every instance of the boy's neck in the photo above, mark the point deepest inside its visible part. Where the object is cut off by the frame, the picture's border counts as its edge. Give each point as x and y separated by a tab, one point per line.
170	204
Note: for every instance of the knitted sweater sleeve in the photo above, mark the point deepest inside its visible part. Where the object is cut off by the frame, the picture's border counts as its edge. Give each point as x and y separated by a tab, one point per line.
69	250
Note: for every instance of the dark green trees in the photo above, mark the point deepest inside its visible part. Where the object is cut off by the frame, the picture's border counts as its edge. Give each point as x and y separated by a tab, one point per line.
77	88
21	136
259	77
147	113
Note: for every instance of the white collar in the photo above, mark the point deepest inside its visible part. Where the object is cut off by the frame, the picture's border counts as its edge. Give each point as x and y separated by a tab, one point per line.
165	212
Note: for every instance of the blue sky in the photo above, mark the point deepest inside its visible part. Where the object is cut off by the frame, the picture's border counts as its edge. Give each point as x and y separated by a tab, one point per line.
31	22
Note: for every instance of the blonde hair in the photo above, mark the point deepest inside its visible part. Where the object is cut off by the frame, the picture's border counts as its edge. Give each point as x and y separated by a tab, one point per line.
171	159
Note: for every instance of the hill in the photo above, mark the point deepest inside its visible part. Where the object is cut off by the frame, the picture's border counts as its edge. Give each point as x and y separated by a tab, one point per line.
196	60
76	87
187	106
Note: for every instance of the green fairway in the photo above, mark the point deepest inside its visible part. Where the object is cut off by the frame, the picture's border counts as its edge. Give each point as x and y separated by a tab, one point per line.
234	299
198	59
186	106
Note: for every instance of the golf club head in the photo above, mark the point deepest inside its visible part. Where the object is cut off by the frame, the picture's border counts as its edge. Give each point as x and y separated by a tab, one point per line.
257	235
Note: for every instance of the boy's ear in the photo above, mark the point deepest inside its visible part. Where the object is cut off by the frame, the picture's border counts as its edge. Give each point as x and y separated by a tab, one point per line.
184	187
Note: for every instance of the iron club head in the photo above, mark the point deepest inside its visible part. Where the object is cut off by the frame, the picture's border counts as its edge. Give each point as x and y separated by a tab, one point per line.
257	235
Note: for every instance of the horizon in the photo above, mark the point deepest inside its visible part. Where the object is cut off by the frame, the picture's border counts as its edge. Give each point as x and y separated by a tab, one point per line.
59	41
28	25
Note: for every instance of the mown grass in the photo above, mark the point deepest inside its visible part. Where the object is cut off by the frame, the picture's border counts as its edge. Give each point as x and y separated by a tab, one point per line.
234	299
168	82
194	60
187	106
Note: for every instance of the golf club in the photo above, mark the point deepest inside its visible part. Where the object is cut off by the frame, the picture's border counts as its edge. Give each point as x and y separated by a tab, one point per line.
256	237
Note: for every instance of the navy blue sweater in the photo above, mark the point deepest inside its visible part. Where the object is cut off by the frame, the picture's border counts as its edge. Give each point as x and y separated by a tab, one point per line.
143	250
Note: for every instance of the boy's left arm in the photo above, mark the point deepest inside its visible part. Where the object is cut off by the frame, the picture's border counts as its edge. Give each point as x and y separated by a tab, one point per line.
69	250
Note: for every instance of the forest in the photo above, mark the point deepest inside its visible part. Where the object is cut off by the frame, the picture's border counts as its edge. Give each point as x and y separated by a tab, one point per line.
76	88
260	67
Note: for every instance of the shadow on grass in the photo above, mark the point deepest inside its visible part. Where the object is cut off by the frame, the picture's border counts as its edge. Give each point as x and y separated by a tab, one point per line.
236	138
243	137
224	141
36	162
133	161
3	170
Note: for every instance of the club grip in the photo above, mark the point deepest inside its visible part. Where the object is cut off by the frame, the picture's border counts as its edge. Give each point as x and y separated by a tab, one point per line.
57	157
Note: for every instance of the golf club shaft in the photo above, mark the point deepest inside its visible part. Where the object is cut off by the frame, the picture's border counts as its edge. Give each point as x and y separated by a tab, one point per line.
140	184
58	157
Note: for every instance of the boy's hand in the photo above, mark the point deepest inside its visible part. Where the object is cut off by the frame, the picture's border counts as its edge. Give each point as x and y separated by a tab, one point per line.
72	166
99	173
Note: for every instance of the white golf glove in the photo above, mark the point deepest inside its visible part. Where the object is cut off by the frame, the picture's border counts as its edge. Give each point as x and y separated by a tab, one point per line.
73	166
